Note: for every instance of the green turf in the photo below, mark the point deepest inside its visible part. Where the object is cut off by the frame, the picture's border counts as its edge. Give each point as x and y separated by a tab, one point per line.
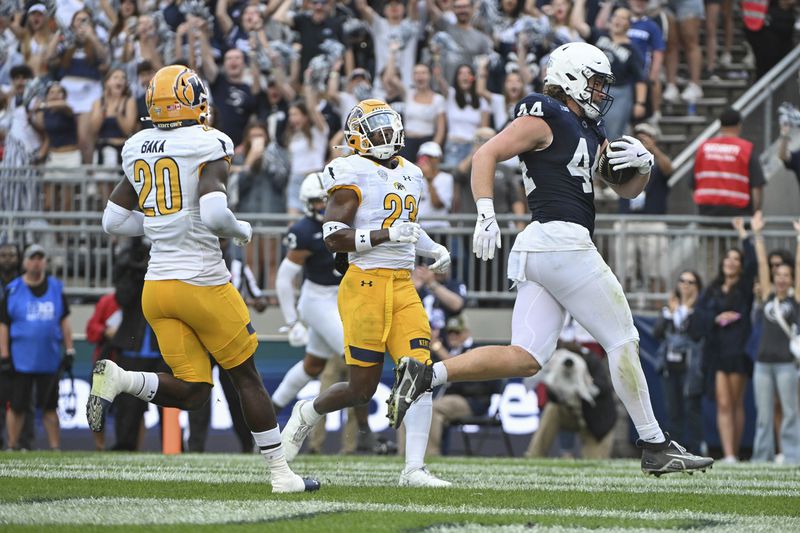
91	492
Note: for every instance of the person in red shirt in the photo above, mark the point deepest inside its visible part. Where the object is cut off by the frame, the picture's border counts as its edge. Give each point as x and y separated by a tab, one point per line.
728	180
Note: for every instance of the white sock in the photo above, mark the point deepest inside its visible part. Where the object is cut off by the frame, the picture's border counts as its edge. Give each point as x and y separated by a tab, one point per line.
269	443
309	414
439	374
143	385
294	380
631	387
418	426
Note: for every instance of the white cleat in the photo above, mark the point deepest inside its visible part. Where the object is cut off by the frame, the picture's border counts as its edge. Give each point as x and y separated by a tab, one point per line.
106	378
295	432
294	483
421	477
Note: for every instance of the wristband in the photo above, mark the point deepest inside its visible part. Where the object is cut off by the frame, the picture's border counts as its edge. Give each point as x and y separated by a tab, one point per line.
329	228
363	241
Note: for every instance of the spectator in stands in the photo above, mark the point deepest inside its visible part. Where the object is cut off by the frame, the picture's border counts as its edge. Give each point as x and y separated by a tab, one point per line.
144	73
648	38
627	65
424	118
559	13
234	100
470	42
688	13
80	59
314	27
436	199
502	105
21	149
465	112
508	195
254	18
713	10
144	43
123	26
34	324
681	364
100	329
719	158
442	297
722	319
769	28
644	253
55	118
791	160
307	142
775	368
357	88
457	400
10	269
260	189
33	31
393	28
272	104
580	399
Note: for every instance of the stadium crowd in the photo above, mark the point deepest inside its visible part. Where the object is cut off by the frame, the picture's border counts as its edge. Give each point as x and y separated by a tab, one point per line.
283	75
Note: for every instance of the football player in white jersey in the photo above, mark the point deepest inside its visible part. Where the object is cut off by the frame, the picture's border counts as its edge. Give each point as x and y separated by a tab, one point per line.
175	174
554	263
313	320
371	214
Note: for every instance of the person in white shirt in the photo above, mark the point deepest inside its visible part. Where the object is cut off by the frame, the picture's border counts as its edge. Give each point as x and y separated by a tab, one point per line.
437	197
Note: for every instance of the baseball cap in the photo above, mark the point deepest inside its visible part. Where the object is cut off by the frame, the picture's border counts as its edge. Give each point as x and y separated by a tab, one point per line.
430	149
37	8
647	129
34	249
360	73
456	324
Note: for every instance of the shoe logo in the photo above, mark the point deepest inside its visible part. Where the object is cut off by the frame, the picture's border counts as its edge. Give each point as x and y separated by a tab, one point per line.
363	283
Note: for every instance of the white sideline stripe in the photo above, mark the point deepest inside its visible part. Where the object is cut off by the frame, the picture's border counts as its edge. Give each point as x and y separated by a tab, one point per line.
128	511
594	477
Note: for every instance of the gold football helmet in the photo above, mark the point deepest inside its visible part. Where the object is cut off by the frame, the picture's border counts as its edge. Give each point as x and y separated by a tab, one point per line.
375	129
177	97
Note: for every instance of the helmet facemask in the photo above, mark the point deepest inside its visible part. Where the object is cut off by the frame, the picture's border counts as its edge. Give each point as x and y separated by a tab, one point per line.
595	101
380	132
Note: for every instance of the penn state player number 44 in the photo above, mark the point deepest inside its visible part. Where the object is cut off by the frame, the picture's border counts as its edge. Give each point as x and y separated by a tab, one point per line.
554	263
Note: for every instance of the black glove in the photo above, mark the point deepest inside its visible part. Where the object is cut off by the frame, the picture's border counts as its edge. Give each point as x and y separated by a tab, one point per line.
6	366
69	359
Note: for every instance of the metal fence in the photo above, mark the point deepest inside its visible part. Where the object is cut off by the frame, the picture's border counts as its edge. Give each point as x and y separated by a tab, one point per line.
646	253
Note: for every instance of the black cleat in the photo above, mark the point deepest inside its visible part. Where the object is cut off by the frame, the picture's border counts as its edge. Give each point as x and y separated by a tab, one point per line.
311	484
669	456
411	380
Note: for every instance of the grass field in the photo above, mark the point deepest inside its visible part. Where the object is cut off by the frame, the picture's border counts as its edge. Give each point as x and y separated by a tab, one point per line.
89	492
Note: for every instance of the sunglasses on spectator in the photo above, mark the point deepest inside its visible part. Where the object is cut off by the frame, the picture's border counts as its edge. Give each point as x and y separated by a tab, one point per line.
688	281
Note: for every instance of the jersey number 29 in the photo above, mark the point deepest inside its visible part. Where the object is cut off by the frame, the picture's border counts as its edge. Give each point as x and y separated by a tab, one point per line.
164	177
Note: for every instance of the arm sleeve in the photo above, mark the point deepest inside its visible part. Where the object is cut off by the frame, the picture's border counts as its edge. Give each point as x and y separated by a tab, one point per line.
120	221
218	218
756	172
284	286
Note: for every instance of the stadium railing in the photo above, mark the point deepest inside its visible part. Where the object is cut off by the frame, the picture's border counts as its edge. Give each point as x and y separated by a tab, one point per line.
646	253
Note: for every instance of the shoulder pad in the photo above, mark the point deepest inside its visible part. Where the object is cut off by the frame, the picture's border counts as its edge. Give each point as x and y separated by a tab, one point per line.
539	105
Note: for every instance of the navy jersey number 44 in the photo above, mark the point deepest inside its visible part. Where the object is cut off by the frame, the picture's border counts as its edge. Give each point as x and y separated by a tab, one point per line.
558	179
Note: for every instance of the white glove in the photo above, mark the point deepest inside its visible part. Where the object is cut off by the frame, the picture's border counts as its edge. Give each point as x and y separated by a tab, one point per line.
442	257
405	232
630	153
487	233
298	335
247	230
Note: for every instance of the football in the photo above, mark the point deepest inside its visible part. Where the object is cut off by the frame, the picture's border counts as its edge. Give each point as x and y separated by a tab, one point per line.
617	177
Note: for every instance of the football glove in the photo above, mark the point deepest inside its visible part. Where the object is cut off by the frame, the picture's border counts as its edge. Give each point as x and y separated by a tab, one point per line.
629	152
405	232
247	230
298	335
442	259
487	232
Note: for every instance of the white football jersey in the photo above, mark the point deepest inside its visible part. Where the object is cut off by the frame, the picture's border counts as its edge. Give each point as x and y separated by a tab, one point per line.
386	197
164	168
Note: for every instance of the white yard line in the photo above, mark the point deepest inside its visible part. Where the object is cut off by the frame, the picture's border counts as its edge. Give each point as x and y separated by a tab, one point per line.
129	511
